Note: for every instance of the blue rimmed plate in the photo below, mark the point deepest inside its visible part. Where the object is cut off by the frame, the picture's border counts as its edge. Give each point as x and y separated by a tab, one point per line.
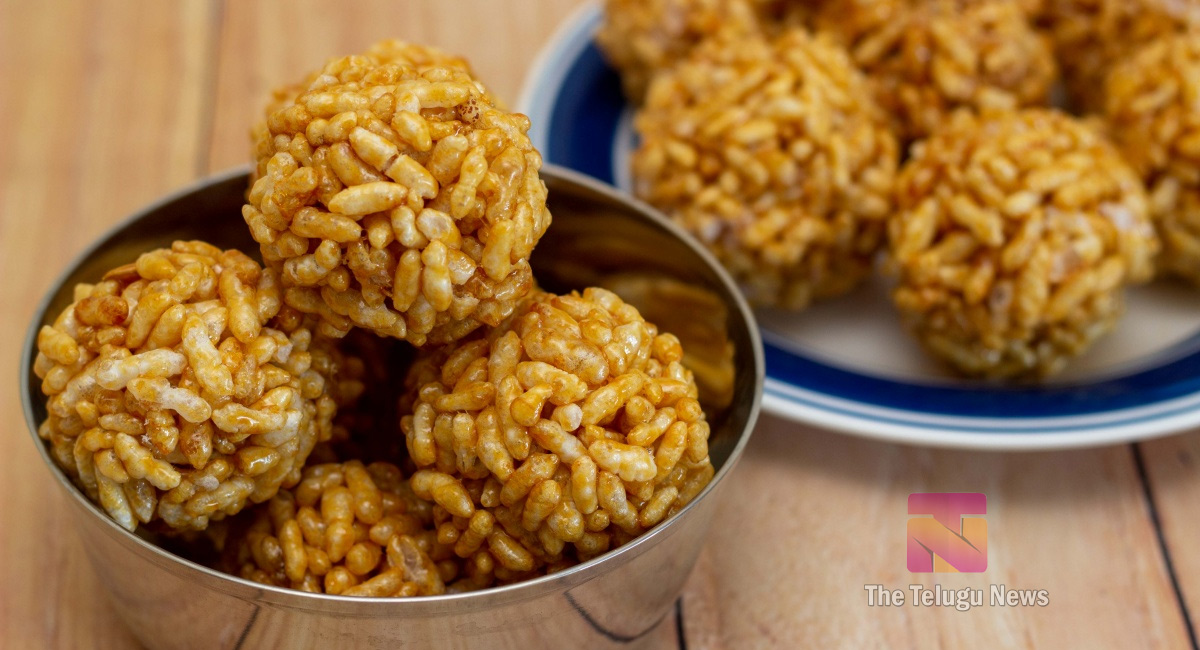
847	365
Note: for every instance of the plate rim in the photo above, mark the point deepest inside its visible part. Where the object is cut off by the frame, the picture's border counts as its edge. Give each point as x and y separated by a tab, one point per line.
539	77
537	98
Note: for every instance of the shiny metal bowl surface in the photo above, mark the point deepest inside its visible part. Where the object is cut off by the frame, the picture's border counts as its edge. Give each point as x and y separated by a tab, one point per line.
612	601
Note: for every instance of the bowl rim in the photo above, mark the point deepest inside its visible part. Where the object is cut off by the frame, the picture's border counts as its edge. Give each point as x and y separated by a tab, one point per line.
285	597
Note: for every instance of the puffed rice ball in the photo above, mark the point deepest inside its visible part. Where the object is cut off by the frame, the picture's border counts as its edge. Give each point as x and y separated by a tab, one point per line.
345	529
399	199
1151	110
641	37
773	154
928	58
1014	237
176	393
1091	36
568	431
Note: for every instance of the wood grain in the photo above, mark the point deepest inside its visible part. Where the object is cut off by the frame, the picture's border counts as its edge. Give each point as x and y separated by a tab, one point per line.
105	108
111	104
811	517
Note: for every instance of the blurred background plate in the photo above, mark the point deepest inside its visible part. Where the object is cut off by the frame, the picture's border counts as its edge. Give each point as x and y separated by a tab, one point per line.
847	365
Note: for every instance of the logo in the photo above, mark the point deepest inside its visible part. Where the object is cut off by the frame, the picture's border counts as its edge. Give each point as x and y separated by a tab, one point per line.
947	542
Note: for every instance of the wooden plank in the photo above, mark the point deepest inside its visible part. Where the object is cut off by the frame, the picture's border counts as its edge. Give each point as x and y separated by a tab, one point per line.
266	44
810	518
109	106
103	104
1171	466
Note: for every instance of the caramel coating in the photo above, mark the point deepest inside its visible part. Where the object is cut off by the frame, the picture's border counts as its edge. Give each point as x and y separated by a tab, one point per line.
398	198
1151	100
178	391
391	50
1014	238
774	155
928	59
642	37
572	429
345	529
1092	36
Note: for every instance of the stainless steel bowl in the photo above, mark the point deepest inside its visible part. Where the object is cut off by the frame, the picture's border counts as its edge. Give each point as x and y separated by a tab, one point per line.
611	601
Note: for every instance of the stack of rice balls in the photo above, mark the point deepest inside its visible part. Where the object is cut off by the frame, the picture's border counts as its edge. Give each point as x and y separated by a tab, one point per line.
271	407
809	142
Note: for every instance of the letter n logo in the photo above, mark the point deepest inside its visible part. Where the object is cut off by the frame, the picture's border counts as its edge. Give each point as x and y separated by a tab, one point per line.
947	542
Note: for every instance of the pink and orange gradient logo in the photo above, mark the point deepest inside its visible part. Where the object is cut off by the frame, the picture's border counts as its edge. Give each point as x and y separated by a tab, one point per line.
947	542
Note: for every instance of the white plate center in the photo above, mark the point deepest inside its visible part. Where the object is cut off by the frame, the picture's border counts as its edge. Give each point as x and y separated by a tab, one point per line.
861	332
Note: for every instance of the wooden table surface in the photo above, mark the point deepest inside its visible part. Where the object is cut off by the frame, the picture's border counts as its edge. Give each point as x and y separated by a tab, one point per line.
112	104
